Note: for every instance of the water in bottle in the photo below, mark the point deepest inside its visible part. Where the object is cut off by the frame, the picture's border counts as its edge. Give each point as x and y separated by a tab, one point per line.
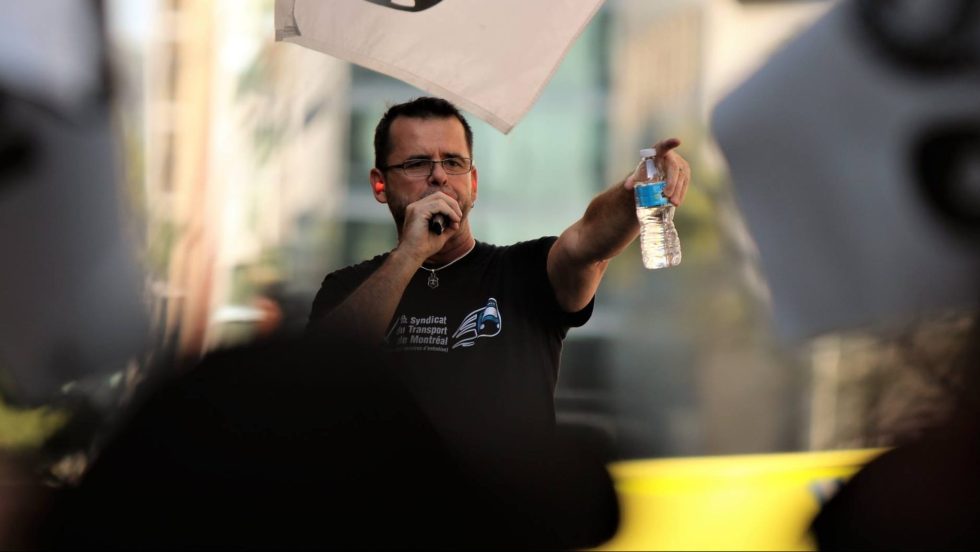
659	244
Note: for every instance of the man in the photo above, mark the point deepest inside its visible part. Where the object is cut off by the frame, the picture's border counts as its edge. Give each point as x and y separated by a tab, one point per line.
478	328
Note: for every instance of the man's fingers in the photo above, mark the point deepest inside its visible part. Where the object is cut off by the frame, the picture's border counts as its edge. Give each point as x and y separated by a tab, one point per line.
673	180
678	196
444	204
669	163
665	146
675	168
450	209
629	183
677	172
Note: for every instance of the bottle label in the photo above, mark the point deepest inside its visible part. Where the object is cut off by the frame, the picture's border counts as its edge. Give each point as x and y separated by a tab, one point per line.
651	194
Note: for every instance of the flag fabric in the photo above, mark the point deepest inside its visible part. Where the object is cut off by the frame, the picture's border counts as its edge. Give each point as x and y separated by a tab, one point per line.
492	58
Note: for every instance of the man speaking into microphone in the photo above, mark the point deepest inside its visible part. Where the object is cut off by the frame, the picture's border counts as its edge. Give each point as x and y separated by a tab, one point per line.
476	329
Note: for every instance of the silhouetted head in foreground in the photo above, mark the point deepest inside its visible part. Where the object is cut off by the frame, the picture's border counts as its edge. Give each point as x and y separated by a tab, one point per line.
290	444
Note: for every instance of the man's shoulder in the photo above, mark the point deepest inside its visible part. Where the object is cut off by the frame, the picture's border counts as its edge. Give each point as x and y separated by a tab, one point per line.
338	284
529	247
520	257
364	267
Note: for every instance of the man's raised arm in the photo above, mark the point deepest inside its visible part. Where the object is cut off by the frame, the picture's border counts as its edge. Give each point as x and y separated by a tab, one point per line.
579	258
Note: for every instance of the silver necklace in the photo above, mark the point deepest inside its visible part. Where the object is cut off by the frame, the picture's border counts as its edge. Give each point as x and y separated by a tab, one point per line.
433	280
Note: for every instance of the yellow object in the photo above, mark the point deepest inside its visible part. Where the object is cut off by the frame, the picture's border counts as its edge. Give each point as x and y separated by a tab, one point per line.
746	502
25	429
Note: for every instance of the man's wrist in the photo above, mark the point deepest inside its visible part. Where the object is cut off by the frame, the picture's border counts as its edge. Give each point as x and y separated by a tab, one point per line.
401	255
622	198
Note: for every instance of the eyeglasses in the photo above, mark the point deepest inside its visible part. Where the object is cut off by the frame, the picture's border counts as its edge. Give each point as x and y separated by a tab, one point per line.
424	167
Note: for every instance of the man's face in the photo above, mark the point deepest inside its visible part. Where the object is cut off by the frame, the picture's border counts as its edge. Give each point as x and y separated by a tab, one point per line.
431	138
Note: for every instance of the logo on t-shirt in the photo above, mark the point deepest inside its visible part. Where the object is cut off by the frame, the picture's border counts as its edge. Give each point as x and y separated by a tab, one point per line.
483	322
430	332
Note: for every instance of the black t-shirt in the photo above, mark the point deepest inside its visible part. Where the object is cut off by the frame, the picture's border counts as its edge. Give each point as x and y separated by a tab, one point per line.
480	352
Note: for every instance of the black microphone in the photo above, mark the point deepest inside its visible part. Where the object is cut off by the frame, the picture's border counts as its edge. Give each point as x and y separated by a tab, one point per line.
437	223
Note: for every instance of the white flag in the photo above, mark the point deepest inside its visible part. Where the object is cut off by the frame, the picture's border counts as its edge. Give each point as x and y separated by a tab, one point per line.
492	58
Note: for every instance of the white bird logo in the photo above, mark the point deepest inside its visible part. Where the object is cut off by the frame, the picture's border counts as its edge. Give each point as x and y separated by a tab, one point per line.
483	322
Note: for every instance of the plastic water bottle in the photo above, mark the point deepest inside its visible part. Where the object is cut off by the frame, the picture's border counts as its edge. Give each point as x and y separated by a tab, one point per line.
659	244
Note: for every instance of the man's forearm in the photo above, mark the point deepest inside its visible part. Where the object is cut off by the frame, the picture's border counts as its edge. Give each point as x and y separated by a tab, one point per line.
365	314
579	258
607	227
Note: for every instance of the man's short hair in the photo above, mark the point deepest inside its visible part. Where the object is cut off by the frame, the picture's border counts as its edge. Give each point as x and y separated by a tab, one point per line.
420	108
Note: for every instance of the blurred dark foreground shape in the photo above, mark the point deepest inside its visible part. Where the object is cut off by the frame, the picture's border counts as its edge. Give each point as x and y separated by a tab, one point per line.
921	495
855	153
287	444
